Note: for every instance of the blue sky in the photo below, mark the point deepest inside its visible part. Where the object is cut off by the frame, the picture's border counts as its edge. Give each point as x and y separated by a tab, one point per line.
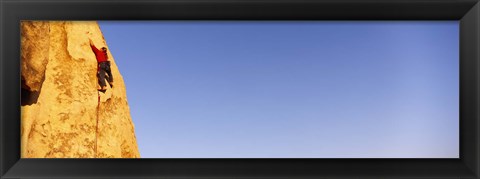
285	89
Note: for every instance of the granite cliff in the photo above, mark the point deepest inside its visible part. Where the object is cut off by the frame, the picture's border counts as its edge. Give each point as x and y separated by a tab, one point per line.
62	113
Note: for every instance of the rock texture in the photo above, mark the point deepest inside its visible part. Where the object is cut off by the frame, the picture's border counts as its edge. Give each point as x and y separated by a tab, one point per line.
63	114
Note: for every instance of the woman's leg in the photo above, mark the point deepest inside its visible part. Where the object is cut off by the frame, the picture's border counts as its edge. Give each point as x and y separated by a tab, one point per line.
110	76
101	75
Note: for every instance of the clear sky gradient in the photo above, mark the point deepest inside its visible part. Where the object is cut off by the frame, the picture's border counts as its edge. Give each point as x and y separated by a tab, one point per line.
324	89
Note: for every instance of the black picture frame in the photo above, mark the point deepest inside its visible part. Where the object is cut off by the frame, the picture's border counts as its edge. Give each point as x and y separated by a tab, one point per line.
13	11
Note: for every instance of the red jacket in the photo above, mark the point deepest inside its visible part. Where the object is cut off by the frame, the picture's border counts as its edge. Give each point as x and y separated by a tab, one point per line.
101	56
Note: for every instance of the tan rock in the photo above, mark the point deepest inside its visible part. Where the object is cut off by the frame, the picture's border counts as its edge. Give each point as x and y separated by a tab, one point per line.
62	116
34	55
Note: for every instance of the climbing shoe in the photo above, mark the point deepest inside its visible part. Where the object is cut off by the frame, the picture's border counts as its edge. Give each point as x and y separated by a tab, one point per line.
104	88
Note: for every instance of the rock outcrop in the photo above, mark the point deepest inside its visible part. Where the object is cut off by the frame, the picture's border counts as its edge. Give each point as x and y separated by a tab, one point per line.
63	115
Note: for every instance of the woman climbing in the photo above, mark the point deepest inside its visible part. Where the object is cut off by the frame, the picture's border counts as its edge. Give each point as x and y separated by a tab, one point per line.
103	67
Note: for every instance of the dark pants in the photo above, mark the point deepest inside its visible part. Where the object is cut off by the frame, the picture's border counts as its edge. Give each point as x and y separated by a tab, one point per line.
104	71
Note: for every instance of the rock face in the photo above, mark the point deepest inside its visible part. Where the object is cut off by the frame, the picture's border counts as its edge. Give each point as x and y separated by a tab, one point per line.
63	114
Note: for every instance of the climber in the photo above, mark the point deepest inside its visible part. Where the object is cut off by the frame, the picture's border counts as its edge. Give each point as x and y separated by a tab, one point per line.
103	66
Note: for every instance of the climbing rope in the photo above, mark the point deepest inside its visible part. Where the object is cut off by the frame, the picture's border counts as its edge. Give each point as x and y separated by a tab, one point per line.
96	128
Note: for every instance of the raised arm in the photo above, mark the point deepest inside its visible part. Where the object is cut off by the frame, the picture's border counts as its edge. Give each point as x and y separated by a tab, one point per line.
93	47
